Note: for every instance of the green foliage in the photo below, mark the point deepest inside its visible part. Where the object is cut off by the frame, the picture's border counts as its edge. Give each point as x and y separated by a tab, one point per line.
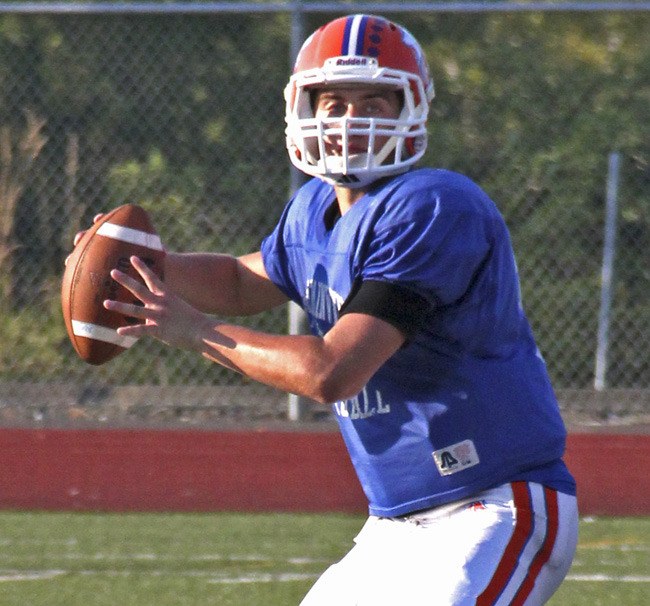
37	334
184	115
168	194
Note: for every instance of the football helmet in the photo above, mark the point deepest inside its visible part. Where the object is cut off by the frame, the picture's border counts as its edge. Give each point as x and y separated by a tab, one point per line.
366	50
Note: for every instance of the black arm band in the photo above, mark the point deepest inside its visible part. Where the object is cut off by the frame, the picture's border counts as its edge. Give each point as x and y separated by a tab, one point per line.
399	306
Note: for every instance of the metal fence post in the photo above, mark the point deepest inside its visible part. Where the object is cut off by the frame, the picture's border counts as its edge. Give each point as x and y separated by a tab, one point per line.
607	272
297	405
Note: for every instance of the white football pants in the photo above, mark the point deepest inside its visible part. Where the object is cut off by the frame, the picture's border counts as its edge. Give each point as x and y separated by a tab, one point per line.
512	545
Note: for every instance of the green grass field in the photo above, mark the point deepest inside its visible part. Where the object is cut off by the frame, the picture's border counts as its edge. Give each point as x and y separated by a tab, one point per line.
81	559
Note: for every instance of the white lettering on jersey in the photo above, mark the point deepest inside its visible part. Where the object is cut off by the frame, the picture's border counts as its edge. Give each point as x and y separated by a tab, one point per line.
323	303
362	406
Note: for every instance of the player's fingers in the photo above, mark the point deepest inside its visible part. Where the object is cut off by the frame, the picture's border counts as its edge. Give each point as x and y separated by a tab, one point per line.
137	330
128	309
80	234
135	287
77	237
154	284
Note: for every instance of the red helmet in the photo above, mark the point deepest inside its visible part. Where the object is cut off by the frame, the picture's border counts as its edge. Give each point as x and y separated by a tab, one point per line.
368	50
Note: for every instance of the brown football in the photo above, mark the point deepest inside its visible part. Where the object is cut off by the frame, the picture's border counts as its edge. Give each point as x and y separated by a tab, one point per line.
108	244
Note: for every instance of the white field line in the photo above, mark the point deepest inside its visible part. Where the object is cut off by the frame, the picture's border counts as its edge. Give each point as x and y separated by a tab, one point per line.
279	577
604	578
264	578
7	576
619	547
155	557
29	575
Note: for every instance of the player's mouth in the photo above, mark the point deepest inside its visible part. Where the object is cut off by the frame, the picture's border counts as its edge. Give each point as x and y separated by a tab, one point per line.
336	149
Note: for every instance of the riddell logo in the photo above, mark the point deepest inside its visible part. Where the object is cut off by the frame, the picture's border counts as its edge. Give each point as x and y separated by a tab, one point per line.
352	61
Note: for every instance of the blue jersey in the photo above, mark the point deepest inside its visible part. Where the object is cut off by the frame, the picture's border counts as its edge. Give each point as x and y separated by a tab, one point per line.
466	404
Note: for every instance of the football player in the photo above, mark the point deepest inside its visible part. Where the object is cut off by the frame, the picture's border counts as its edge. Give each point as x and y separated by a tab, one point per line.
418	341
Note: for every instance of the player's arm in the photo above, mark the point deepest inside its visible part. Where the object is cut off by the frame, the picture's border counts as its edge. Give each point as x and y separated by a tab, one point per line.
222	284
219	283
375	321
333	367
325	369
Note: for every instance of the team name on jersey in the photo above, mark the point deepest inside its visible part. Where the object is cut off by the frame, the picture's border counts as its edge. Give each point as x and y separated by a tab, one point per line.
365	404
323	304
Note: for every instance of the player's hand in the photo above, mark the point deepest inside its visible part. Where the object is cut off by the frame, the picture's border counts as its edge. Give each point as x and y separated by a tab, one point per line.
80	234
165	316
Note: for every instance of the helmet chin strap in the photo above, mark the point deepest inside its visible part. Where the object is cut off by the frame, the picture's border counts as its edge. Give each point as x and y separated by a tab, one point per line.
357	175
350	181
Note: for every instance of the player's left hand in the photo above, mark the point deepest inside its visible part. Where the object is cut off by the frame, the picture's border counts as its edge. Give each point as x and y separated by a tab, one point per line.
165	316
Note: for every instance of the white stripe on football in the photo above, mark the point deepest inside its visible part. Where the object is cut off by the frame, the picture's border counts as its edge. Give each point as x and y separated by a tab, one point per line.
132	236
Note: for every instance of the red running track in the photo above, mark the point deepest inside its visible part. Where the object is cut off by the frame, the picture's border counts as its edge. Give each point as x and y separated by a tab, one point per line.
168	470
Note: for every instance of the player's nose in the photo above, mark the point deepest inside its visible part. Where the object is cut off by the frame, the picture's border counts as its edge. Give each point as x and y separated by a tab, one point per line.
351	111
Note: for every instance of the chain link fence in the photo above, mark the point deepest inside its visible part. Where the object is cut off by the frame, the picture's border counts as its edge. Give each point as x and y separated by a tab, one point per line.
182	113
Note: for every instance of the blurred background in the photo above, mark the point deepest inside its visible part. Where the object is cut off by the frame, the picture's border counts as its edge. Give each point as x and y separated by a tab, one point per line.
178	107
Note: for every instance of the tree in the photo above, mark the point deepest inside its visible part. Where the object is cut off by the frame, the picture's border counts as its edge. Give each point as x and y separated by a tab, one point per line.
18	151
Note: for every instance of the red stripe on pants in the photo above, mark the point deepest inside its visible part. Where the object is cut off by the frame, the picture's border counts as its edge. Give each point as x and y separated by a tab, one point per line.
543	555
518	540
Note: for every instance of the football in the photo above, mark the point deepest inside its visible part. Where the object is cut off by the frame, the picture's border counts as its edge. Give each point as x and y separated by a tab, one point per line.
107	245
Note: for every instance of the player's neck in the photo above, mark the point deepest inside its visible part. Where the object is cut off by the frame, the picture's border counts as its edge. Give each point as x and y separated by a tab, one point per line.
346	197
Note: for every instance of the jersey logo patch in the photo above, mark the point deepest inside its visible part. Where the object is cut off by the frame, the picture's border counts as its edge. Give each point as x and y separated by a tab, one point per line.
456	457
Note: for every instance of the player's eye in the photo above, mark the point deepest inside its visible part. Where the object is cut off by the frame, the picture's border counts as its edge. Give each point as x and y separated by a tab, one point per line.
332	108
371	108
379	105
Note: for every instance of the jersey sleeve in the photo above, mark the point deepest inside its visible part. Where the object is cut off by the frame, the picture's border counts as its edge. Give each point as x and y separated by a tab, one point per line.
275	259
433	244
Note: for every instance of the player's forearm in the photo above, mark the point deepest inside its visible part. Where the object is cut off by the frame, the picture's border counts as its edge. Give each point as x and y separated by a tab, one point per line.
299	364
222	284
208	281
333	367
